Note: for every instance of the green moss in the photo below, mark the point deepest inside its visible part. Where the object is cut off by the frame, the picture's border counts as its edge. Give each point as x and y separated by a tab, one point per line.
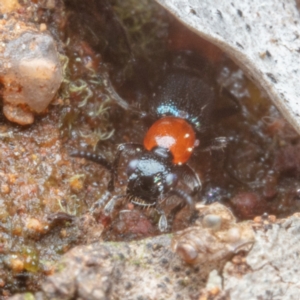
145	25
31	259
60	267
29	296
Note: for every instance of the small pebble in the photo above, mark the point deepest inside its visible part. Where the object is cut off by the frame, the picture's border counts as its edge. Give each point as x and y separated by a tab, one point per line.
35	225
63	233
17	265
5	188
214	291
257	219
43	27
2	283
272	218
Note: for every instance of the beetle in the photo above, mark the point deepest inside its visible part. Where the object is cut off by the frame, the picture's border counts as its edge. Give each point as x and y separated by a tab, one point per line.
158	169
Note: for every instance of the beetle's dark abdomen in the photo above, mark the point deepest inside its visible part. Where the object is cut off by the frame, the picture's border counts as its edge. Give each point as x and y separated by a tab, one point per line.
185	95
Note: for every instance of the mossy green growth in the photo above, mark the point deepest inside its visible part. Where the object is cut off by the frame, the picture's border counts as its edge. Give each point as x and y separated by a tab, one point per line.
29	296
31	259
146	27
144	21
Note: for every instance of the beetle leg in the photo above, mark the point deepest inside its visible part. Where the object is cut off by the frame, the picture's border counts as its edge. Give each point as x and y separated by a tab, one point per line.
110	205
163	222
100	203
186	199
218	143
184	196
190	178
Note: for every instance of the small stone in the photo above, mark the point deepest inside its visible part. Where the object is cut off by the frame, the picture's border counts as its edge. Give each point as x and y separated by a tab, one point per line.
12	178
43	27
257	219
2	283
35	225
63	233
6	293
233	235
214	283
204	296
17	114
16	264
5	188
272	218
212	221
50	4
237	260
7	6
199	244
214	291
247	204
17	230
76	182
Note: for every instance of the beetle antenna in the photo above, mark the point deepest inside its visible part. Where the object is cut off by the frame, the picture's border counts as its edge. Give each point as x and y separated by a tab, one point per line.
97	158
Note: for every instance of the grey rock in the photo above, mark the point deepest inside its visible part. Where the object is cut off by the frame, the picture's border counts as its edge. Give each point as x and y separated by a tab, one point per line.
147	269
150	270
273	265
262	37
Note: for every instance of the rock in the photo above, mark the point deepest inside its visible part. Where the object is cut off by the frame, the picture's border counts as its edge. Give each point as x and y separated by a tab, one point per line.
18	114
215	236
146	269
85	272
30	71
7	6
262	38
272	264
150	270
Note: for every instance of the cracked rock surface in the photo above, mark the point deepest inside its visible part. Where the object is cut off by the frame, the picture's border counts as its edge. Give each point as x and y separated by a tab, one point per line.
273	264
148	269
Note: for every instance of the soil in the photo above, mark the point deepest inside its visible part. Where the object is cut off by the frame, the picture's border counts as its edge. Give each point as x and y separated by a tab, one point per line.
51	201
